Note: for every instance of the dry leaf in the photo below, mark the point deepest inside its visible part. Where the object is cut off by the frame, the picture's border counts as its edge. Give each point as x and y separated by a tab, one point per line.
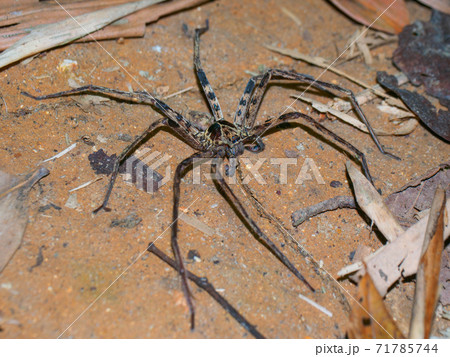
404	128
435	120
372	204
48	36
427	285
13	211
441	5
384	15
416	196
398	258
370	318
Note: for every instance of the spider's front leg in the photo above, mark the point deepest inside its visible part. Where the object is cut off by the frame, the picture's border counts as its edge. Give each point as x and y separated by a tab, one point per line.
173	120
133	97
253	95
207	89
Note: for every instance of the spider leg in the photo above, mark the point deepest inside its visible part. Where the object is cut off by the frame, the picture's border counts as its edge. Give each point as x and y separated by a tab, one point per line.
219	180
135	97
135	144
260	88
120	159
242	113
203	283
174	240
207	89
260	129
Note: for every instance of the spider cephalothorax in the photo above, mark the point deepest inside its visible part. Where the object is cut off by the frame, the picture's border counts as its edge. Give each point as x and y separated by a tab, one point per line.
221	139
232	138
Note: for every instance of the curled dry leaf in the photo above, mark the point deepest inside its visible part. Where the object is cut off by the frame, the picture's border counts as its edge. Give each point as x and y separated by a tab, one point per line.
372	204
369	317
13	211
427	285
384	15
398	258
416	196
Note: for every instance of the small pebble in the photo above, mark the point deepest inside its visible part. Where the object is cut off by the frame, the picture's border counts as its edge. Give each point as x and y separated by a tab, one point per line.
335	184
72	201
194	255
352	255
300	147
6	286
125	137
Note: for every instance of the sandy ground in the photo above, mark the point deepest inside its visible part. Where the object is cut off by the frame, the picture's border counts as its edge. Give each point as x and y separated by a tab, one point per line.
84	253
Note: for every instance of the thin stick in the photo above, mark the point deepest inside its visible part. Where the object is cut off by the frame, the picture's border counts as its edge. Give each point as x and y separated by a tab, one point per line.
203	283
316	305
177	93
86	184
322	63
62	153
301	215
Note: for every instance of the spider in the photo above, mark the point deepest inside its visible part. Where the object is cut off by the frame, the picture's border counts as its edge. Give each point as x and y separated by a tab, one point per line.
221	140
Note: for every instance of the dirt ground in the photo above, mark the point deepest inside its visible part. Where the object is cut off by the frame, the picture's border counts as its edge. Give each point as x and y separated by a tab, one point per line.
83	254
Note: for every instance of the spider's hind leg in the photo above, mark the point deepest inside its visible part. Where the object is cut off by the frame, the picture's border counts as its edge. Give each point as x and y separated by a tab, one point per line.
181	168
229	194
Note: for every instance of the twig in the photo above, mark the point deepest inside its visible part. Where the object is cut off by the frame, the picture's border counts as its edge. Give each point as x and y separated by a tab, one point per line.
86	184
30	181
322	63
203	283
291	15
62	153
301	215
316	305
367	95
376	43
4	102
177	93
404	128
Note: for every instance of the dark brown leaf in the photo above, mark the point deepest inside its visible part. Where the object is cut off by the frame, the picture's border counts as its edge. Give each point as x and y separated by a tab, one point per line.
370	318
427	285
437	122
423	55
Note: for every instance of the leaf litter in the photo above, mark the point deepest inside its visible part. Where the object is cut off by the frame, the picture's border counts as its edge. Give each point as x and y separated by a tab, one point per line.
14	211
